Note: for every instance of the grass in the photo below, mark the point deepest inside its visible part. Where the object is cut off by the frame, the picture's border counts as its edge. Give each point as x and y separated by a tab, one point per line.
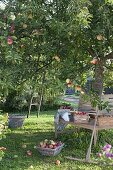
37	129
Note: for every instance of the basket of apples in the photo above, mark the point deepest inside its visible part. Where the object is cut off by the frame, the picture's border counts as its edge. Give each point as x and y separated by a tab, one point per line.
50	147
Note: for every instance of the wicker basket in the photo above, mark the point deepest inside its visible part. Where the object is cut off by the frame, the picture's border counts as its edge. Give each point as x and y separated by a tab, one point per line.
50	152
105	121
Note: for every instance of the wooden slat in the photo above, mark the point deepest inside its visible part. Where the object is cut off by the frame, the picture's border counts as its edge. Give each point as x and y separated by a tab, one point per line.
88	126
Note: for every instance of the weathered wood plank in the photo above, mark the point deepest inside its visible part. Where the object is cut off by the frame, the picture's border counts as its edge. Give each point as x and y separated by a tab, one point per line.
90	162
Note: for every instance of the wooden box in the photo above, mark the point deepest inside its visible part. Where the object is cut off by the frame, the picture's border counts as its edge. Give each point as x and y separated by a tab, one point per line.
105	121
81	117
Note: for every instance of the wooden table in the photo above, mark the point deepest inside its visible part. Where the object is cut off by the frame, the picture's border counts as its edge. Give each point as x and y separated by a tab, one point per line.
89	125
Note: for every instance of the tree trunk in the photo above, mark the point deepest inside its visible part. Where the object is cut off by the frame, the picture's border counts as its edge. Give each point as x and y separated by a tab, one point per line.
99	74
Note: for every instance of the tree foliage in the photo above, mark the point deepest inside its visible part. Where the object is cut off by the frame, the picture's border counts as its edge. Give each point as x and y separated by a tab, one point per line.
57	36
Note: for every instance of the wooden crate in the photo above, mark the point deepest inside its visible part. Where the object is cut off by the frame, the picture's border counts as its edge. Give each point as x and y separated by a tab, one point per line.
105	121
81	118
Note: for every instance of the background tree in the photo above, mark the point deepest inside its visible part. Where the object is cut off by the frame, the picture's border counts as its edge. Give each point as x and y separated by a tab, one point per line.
93	34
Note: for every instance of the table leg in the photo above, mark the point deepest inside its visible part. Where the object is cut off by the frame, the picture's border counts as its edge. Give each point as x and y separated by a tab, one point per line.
95	136
56	135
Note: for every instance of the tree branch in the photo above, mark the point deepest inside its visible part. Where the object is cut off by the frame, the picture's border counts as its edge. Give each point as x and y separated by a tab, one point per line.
45	65
109	56
91	52
109	68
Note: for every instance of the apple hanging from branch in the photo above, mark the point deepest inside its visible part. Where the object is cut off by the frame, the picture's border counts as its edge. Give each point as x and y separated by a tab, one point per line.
94	61
100	37
9	40
78	88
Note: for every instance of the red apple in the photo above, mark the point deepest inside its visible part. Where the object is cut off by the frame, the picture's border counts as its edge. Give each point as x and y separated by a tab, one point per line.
78	88
29	153
57	162
9	40
99	155
94	61
43	146
54	147
51	146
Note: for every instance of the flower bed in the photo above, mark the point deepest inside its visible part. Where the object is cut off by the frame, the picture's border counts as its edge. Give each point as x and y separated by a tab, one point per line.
106	154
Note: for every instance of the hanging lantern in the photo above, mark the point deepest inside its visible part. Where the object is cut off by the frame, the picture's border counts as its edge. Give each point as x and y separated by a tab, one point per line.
94	61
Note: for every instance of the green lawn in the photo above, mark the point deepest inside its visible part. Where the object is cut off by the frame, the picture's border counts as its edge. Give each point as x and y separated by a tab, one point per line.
37	129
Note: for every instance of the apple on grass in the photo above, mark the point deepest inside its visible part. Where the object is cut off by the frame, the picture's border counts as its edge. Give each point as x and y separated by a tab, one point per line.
57	162
29	153
24	146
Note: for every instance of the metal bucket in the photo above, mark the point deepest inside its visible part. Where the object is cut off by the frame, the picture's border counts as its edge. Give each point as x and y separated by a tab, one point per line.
15	121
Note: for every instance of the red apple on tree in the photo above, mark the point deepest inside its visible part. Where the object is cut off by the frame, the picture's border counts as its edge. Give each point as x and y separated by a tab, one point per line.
9	40
78	88
94	61
100	37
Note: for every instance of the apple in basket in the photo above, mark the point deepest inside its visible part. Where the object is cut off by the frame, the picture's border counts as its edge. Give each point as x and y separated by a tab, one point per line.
54	147
50	144
59	143
42	144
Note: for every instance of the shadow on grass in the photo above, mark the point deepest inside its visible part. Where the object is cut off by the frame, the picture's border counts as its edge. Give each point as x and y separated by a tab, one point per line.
42	113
